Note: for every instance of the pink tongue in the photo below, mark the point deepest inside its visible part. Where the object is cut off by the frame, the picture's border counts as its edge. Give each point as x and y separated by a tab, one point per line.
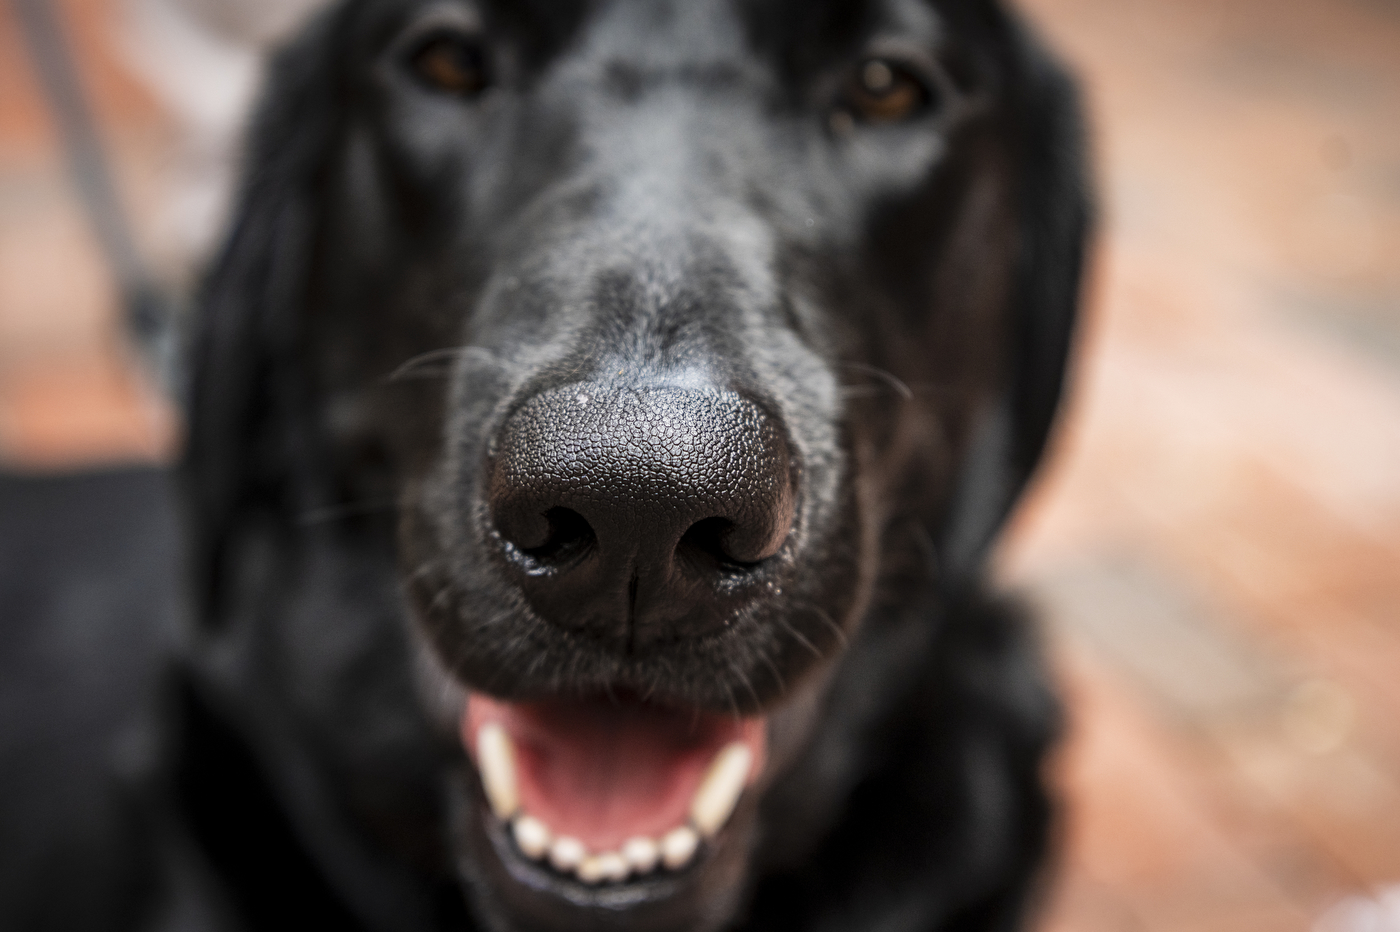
604	772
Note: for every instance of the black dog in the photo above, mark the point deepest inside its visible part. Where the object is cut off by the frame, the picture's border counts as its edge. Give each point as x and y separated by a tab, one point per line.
602	412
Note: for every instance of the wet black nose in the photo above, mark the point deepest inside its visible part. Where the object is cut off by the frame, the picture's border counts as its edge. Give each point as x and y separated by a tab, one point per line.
640	514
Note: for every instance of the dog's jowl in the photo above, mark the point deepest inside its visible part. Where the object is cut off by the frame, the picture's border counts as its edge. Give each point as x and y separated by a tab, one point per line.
602	412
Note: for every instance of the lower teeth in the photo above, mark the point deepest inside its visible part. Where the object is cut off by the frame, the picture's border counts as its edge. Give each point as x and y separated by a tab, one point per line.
678	847
639	856
532	837
711	806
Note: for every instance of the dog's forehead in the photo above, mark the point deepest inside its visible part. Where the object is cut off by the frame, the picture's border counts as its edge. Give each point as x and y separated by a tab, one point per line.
665	33
680	34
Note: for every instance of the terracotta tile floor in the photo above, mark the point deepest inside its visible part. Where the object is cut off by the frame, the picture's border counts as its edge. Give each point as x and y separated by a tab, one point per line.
1216	545
68	392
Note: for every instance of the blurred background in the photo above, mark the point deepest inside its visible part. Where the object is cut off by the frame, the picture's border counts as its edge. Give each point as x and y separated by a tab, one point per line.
1215	544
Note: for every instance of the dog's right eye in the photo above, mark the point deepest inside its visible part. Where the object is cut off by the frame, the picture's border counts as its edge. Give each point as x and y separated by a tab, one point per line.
883	90
453	64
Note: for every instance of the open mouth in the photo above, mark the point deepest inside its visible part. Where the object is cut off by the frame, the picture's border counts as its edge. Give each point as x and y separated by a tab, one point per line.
608	791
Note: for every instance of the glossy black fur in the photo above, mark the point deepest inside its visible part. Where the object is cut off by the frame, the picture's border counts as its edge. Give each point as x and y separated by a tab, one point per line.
650	196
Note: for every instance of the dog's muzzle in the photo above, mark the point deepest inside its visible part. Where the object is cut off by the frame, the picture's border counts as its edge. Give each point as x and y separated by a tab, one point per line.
638	516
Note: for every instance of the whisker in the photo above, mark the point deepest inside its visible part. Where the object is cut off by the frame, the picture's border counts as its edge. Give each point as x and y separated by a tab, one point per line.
420	374
424	568
920	390
801	638
748	686
533	667
768	662
831	623
864	391
733	703
884	375
448	354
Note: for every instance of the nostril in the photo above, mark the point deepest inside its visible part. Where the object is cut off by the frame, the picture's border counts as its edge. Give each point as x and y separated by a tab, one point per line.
569	535
705	542
641	513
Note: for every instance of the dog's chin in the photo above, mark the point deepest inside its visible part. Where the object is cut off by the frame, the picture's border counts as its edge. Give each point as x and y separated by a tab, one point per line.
604	812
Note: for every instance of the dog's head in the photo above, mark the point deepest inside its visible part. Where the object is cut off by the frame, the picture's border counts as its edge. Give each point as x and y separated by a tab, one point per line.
669	330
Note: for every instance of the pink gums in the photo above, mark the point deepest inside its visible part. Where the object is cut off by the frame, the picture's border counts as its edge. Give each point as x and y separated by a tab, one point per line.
605	772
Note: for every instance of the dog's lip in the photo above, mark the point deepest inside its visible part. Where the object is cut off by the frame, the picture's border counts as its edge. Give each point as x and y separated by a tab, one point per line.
606	794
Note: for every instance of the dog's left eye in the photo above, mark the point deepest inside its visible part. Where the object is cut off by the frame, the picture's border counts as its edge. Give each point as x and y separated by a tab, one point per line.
885	91
451	63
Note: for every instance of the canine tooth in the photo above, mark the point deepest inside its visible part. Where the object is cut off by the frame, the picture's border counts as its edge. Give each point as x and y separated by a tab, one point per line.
495	758
532	836
678	847
566	854
719	793
641	854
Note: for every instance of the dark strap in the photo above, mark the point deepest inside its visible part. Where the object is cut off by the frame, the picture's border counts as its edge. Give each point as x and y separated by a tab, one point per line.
149	313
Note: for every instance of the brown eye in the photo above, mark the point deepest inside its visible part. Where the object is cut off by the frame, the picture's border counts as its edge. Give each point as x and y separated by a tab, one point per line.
451	63
882	91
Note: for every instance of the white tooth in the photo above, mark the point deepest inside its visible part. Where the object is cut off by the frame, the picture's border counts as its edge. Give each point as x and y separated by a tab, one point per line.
495	758
590	870
678	847
641	854
566	854
719	792
613	866
532	836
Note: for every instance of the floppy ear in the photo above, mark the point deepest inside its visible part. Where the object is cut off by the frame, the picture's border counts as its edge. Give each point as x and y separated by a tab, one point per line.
248	458
1055	217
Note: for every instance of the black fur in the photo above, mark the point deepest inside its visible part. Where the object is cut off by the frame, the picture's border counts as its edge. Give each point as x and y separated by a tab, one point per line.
91	609
649	191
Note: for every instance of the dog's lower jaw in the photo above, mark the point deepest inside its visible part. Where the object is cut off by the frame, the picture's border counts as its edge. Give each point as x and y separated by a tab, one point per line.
611	790
508	892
